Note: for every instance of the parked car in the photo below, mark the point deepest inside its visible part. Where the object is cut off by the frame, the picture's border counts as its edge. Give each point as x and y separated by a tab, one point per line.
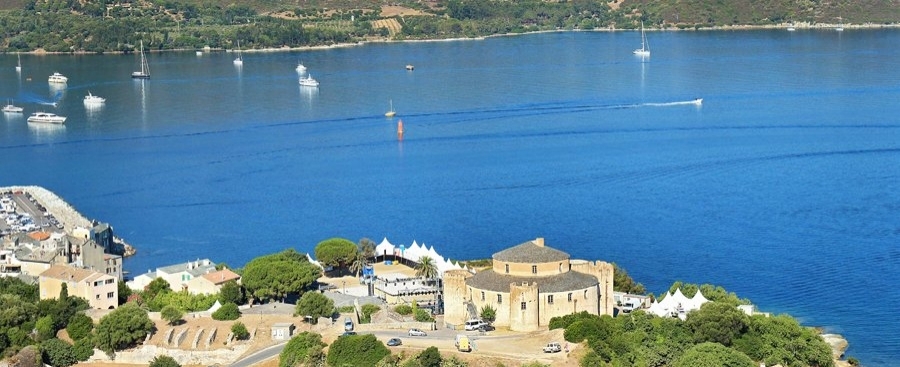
393	342
417	332
474	324
552	347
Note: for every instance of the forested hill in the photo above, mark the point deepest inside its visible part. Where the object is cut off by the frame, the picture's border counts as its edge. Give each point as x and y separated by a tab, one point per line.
118	25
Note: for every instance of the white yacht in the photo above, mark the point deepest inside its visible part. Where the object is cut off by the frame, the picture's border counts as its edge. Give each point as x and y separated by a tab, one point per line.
308	81
645	47
144	73
240	59
92	99
46	117
300	68
58	78
11	108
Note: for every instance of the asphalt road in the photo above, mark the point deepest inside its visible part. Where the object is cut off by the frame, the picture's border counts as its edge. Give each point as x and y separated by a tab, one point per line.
260	356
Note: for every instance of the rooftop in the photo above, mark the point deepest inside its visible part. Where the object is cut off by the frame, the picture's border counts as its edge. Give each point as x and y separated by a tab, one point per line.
531	252
68	273
568	281
221	276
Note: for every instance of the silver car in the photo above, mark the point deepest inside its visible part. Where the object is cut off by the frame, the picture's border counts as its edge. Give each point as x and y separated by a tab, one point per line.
417	332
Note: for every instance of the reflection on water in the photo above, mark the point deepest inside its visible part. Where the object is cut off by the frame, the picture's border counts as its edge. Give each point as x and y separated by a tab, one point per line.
46	132
93	111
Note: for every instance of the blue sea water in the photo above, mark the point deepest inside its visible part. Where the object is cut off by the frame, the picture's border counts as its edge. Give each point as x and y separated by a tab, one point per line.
781	187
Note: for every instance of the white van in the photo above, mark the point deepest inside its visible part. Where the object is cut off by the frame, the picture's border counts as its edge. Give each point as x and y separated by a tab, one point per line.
474	324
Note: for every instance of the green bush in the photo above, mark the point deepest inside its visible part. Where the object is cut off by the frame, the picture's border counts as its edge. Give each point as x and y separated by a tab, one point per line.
404	310
346	309
562	322
228	311
423	315
301	349
57	353
83	349
240	331
430	357
367	311
80	326
171	314
164	361
356	350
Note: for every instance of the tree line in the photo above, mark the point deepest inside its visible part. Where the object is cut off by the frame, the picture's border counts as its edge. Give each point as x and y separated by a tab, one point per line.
101	26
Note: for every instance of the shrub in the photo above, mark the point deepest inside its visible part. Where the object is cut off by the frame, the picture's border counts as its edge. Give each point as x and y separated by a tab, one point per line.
404	310
346	309
240	331
430	357
164	361
171	314
367	311
228	311
80	326
314	305
57	353
83	349
423	316
301	349
562	322
356	350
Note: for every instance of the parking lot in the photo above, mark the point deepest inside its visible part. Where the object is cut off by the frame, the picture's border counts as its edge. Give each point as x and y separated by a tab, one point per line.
19	212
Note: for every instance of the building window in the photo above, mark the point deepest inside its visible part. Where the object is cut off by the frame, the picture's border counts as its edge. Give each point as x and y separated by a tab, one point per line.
109	281
534	269
499	298
523	305
570	297
585	294
110	295
482	295
550	299
98	296
507	268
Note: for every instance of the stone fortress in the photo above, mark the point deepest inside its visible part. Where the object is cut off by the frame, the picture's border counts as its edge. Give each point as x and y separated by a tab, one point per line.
527	286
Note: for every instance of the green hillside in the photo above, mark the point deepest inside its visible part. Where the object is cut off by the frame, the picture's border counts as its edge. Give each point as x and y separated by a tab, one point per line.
116	26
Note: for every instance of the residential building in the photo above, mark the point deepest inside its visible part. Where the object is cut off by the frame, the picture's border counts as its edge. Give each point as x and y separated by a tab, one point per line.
211	283
100	290
177	275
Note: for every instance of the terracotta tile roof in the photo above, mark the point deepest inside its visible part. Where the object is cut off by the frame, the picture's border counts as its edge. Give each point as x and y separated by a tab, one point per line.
39	235
63	272
221	276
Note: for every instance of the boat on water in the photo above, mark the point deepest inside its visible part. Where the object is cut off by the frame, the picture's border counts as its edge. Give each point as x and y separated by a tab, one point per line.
300	67
399	129
308	81
19	65
199	53
144	73
410	67
390	112
840	26
47	118
240	59
92	99
698	101
57	78
645	47
11	108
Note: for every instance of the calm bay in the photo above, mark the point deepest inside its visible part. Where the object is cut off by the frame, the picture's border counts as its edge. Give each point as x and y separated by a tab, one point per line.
780	187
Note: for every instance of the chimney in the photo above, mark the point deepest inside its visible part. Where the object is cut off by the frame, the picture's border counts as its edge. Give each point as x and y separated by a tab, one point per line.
539	241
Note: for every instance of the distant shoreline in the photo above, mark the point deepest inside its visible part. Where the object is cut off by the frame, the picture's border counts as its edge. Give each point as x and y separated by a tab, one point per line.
784	26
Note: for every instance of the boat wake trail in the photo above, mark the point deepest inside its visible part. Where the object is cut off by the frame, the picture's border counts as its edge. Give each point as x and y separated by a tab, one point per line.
34	98
694	102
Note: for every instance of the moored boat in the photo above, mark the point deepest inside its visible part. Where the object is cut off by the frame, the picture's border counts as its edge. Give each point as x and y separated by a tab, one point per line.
11	108
47	118
58	78
92	99
308	81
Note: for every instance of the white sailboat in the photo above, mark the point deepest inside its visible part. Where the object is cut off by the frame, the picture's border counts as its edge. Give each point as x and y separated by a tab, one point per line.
645	47
19	65
300	68
144	73
239	60
390	112
840	26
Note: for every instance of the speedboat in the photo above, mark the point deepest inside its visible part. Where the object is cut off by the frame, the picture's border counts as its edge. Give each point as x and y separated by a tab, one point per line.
308	81
698	101
46	117
12	108
92	99
58	78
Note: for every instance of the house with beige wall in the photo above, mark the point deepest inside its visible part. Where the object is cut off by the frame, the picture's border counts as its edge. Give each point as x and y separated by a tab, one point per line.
211	283
528	285
99	289
177	275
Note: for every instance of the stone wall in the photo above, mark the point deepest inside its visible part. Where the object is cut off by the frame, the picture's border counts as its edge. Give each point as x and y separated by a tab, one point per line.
146	353
64	213
455	296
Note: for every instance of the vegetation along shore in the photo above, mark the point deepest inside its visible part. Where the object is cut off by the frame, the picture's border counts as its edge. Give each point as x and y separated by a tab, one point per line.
58	26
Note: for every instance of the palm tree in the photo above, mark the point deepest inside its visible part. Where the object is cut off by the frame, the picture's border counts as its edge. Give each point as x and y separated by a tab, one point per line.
426	269
359	262
367	247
